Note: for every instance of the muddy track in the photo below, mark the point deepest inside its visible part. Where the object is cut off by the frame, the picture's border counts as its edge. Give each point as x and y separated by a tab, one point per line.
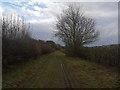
67	79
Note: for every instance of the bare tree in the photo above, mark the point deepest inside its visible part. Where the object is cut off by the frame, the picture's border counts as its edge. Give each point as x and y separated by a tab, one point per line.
74	28
14	28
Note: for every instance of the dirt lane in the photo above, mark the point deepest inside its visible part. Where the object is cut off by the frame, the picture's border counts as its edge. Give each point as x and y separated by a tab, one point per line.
49	75
58	71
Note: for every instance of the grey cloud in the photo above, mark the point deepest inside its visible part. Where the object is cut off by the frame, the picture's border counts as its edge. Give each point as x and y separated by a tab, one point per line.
105	41
42	31
107	25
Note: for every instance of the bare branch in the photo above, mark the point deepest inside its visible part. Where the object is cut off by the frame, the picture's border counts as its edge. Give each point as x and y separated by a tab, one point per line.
74	28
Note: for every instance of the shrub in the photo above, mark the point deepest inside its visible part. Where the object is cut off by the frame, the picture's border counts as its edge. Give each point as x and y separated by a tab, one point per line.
106	55
17	44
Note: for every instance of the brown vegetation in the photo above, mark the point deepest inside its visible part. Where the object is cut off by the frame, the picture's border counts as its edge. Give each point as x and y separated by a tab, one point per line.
106	55
18	46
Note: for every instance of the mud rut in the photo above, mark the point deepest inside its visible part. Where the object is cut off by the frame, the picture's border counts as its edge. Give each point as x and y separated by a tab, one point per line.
67	79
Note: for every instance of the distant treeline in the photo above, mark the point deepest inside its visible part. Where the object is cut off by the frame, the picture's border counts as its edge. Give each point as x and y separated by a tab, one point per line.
17	44
106	55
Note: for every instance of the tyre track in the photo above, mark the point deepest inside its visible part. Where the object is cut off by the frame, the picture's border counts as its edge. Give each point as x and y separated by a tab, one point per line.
67	79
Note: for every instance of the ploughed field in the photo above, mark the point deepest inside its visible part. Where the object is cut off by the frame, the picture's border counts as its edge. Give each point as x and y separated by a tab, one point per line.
56	70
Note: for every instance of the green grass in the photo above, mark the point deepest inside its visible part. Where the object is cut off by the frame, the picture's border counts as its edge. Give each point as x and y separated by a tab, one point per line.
46	72
86	74
14	78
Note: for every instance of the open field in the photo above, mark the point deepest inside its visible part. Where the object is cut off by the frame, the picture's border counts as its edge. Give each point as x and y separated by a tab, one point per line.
55	70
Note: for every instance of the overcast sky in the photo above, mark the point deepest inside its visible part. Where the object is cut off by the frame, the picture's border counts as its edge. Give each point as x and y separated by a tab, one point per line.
41	14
